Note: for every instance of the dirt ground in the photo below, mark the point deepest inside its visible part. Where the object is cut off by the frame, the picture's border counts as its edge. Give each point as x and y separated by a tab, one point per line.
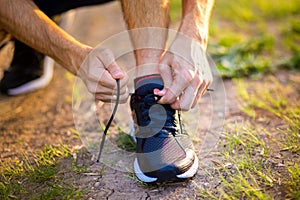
31	121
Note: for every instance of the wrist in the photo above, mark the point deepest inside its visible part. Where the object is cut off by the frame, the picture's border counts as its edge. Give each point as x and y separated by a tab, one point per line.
76	57
195	28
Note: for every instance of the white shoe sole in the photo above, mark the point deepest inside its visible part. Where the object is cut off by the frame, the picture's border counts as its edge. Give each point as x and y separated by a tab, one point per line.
37	83
147	179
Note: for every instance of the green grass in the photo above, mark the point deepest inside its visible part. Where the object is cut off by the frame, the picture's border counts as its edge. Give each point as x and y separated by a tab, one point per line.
247	177
249	38
244	58
293	184
271	27
37	177
125	141
245	170
271	97
241	11
175	10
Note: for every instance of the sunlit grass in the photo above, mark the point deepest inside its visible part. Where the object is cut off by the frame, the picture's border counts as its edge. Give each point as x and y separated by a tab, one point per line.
240	11
175	10
271	98
272	27
271	23
293	184
242	172
37	177
244	58
125	141
245	170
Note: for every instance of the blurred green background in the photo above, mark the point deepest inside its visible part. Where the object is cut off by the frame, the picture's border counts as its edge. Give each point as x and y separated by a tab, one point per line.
250	38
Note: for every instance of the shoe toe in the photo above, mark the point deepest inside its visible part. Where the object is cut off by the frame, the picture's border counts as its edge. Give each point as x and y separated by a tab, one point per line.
183	168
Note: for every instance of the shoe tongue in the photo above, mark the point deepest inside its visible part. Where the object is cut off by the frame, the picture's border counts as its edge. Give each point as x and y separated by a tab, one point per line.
146	84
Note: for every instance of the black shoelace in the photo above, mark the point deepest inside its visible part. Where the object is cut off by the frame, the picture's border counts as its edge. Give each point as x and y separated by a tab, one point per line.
109	121
170	126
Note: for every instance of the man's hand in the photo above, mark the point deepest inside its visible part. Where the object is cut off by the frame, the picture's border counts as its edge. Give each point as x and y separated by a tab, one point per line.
184	67
99	72
186	74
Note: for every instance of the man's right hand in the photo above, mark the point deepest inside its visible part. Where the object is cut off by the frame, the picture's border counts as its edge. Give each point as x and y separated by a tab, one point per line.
99	71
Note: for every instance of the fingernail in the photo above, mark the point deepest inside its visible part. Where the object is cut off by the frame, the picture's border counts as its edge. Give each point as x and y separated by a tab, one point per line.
156	91
162	92
117	74
159	92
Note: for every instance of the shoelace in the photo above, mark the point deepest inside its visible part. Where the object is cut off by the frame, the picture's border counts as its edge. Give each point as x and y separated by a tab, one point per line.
109	121
152	99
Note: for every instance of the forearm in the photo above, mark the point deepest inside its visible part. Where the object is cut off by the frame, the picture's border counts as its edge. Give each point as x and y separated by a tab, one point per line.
30	25
195	19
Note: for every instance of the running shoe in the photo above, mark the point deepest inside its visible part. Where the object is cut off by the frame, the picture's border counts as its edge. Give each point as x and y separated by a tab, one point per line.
29	71
164	150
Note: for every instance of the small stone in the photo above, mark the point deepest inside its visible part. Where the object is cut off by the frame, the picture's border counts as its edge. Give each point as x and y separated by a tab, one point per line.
97	184
228	165
280	165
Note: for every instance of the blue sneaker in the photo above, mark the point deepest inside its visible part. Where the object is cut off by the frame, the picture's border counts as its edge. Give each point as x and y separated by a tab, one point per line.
164	150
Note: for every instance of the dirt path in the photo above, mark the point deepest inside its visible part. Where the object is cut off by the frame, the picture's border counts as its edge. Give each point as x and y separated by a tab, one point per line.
28	122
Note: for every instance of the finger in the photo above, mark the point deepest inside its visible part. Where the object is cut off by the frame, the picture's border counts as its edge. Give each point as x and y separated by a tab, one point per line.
107	80
159	92
196	100
91	68
200	93
108	91
108	60
166	71
180	83
203	88
186	99
112	98
95	88
183	74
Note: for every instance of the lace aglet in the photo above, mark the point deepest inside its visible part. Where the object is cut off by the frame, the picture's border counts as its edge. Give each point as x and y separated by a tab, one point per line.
101	147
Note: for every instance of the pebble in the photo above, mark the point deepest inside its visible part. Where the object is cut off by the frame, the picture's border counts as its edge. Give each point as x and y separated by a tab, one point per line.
97	184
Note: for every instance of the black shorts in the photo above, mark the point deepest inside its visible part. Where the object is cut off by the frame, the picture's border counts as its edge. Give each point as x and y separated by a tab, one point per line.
54	7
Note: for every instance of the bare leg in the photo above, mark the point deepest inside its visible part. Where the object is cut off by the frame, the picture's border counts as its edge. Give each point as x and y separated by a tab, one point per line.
143	14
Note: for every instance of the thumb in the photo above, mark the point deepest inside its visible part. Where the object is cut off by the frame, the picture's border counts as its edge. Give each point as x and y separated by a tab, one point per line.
108	60
115	71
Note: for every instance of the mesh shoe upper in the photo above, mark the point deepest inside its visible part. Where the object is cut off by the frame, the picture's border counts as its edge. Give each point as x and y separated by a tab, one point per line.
163	151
